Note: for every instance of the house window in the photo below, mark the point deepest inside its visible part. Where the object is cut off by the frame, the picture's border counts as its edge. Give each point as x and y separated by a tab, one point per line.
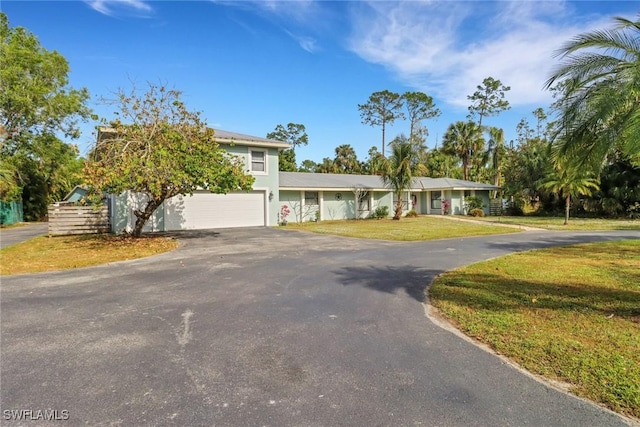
436	200
258	161
363	203
310	198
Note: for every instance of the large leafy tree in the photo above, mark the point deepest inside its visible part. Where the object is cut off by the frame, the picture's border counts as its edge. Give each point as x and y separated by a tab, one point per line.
525	167
488	100
419	106
327	166
464	140
47	173
598	110
156	147
308	166
35	97
619	188
397	171
294	134
570	183
382	109
438	164
37	105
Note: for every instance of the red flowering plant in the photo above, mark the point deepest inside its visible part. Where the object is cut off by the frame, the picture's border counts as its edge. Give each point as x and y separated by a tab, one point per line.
446	207
284	213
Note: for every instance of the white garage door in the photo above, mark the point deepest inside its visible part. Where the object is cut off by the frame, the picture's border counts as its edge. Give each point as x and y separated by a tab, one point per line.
206	210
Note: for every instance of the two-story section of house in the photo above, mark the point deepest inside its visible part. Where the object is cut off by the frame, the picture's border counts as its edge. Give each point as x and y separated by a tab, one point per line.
203	209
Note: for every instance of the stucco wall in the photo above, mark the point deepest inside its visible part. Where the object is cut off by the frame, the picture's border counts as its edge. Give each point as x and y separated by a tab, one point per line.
338	207
268	181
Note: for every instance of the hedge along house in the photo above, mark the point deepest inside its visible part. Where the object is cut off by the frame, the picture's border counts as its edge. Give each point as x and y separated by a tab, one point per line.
203	209
319	196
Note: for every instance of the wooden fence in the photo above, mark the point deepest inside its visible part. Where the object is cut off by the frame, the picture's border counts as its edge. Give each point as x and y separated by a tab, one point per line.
495	207
70	219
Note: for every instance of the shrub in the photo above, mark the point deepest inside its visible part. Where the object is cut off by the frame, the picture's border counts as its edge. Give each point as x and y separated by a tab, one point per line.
446	207
514	208
412	214
473	202
476	212
284	213
380	212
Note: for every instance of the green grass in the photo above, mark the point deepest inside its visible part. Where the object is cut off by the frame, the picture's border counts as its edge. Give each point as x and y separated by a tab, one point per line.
14	225
66	252
570	314
575	224
407	229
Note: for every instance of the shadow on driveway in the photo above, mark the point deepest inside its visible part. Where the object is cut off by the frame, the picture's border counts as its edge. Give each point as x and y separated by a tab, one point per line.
412	280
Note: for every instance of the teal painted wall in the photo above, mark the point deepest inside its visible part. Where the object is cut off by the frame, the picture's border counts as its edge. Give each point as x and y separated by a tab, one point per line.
383	198
292	200
485	196
269	181
333	209
457	202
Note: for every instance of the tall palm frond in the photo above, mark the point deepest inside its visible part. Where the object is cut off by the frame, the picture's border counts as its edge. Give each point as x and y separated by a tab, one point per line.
396	171
599	110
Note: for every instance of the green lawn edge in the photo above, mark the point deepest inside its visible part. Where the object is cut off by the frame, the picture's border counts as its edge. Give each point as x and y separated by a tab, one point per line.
570	314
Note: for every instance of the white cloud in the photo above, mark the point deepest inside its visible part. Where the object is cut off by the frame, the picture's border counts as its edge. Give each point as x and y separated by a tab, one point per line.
307	43
301	15
108	7
447	48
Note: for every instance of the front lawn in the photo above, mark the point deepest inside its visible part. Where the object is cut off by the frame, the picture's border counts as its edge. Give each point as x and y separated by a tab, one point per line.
407	229
570	314
556	223
66	252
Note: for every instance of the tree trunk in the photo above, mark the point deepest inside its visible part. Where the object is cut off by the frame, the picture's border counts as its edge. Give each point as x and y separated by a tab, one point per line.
143	216
398	213
465	169
566	210
383	139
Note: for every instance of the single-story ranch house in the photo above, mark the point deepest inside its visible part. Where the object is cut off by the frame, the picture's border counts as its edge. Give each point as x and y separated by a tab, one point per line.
309	196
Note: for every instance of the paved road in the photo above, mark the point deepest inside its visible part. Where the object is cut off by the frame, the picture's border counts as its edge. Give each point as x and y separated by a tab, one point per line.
14	235
267	327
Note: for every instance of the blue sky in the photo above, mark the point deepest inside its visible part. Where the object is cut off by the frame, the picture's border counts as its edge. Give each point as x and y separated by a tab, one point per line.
249	66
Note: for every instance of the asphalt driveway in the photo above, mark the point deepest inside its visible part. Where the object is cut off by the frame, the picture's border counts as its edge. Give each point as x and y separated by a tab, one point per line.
11	236
267	327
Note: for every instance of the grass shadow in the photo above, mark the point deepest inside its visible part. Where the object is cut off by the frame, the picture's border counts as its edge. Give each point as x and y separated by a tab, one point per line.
495	293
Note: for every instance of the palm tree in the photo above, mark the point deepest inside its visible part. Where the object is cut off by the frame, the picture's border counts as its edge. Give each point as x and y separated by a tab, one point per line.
496	151
327	166
570	182
397	171
346	160
464	140
599	82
